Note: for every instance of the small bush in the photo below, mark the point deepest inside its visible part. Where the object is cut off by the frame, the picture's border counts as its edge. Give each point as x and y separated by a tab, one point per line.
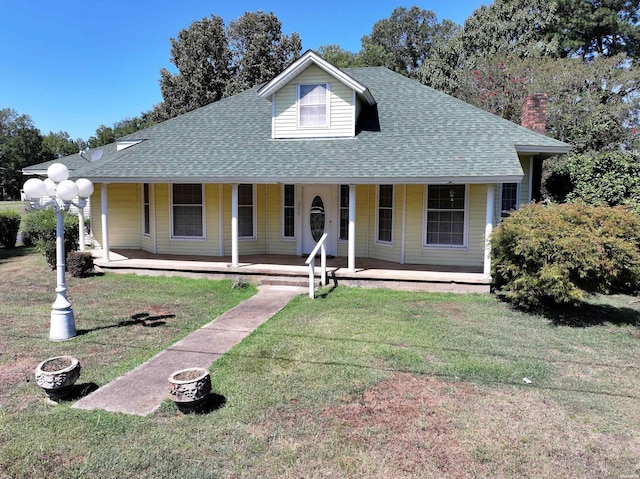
9	227
556	254
80	264
40	230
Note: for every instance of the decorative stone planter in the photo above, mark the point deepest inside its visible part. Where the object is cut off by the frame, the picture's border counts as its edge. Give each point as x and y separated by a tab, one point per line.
57	376
189	388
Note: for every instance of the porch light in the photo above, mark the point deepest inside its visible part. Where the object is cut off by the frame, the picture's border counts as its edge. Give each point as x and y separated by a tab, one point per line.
58	192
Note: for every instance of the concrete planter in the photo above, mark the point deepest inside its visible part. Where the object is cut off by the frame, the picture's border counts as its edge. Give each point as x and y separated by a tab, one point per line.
189	388
57	376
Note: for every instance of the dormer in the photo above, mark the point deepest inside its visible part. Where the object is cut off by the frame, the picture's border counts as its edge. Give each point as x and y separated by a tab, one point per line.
313	99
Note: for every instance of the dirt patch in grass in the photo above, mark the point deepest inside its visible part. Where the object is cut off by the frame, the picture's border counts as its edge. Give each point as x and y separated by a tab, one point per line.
414	426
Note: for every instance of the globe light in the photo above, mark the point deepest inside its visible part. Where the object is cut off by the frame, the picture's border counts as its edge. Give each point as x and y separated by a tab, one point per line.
58	172
67	190
51	187
34	188
85	187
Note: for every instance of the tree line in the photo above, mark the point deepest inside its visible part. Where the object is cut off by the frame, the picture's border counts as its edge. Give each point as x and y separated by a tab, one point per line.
581	53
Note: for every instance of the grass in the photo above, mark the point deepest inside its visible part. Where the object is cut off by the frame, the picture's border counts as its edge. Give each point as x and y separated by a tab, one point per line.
357	383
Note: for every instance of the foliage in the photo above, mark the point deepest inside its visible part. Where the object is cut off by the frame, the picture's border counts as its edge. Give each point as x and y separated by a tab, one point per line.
555	254
40	230
9	227
611	178
590	28
20	146
339	57
259	50
79	264
402	41
57	145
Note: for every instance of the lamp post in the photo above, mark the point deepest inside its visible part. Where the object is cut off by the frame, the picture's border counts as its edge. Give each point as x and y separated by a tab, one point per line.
60	192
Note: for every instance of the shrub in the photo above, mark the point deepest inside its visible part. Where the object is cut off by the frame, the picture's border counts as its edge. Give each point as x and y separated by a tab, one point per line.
40	230
9	227
80	264
556	254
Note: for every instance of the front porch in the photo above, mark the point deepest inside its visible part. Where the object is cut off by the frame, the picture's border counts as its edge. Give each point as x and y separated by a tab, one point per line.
291	270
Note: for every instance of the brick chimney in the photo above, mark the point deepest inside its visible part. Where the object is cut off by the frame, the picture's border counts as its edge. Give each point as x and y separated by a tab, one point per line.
534	112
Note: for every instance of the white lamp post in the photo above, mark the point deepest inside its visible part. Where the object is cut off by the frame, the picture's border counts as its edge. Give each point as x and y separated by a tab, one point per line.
60	192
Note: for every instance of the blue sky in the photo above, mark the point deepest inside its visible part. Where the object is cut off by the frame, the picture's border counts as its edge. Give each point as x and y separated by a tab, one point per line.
73	65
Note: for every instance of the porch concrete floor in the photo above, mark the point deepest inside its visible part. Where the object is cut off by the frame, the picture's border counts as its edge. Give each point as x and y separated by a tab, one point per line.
291	269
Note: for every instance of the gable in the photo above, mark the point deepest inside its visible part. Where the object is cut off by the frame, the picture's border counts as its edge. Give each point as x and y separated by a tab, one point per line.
340	108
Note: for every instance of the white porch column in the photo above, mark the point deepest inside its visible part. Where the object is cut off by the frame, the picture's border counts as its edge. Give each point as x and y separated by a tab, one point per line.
488	229
105	222
234	225
351	263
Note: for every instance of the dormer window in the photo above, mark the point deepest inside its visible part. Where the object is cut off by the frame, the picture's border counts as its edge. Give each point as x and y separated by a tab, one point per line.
313	104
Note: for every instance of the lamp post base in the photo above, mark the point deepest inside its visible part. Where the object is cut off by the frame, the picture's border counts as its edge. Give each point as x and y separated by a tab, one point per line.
63	325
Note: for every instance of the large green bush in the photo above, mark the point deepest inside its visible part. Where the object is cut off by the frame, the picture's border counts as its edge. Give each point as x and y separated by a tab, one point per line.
9	227
40	230
556	254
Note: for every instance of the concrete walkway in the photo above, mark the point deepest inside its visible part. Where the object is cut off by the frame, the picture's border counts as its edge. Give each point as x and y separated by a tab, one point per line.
141	390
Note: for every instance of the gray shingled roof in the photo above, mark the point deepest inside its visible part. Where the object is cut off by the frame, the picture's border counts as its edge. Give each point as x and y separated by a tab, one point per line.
424	136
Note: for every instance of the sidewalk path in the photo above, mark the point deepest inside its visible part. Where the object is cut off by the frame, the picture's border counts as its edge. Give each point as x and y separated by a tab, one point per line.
141	390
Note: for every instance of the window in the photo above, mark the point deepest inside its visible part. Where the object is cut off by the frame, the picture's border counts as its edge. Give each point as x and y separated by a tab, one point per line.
508	198
385	213
344	212
289	211
312	101
146	207
187	210
446	215
245	211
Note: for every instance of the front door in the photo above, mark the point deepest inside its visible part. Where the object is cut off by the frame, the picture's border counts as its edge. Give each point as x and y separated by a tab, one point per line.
319	217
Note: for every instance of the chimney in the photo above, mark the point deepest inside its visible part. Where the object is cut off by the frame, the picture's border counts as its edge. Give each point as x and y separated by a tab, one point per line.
534	112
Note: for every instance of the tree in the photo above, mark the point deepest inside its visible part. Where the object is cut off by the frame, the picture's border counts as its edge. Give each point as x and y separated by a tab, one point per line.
203	59
56	145
403	41
259	50
610	178
589	28
339	57
20	146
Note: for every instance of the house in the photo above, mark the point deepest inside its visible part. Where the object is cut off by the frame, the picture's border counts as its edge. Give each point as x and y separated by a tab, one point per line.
389	168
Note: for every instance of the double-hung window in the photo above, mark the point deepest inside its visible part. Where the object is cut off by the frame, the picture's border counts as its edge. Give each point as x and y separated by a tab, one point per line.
385	214
508	198
312	105
246	219
446	210
289	211
187	211
344	212
146	209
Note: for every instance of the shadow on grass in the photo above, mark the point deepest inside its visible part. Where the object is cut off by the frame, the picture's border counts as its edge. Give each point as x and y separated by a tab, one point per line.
8	253
587	315
142	319
211	402
72	393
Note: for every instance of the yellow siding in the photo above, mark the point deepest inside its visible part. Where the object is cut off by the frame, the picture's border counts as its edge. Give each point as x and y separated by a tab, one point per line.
342	110
246	245
362	224
275	243
123	213
472	255
525	194
384	251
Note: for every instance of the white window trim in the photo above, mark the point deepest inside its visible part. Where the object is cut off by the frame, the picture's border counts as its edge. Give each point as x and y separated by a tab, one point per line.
295	218
253	211
327	124
393	216
518	193
145	234
204	217
466	222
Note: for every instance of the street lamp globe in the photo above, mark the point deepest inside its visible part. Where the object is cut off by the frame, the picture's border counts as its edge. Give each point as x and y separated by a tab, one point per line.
34	188
58	172
67	190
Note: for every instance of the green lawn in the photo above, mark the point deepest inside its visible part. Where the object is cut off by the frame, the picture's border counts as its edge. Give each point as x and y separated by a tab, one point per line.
358	383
